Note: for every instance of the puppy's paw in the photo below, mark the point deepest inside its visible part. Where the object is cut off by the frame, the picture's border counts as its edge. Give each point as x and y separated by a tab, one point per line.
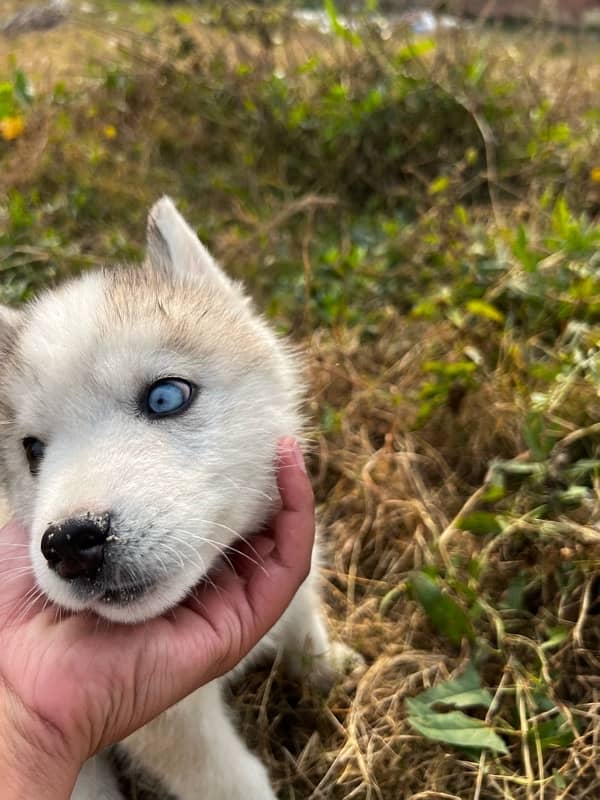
330	668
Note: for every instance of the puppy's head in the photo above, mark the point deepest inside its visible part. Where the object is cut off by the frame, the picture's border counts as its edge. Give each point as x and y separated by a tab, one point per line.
139	414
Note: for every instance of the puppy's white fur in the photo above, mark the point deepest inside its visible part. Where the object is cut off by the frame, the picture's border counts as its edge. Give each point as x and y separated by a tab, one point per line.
179	490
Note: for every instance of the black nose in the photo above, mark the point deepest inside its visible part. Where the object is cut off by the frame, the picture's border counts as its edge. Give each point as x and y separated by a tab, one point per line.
74	548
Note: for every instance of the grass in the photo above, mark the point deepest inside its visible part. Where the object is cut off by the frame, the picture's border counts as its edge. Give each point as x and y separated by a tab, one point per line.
421	215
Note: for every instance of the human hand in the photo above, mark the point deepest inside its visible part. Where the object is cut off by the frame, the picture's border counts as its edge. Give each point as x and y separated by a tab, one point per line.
73	684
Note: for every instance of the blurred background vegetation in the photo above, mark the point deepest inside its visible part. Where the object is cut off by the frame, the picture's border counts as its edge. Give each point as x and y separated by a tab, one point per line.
415	201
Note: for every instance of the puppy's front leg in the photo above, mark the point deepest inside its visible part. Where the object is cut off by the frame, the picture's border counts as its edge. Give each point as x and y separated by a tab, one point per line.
305	642
96	781
196	752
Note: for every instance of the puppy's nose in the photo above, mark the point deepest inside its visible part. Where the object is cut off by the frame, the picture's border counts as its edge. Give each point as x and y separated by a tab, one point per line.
74	548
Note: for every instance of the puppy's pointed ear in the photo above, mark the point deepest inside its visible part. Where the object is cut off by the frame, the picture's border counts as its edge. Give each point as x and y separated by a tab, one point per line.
9	321
175	250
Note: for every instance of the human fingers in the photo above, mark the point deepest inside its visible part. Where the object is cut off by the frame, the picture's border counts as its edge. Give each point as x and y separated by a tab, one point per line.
247	595
16	573
275	561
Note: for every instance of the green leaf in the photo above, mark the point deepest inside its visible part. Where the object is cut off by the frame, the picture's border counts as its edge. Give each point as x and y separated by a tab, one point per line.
23	89
583	467
183	17
337	26
494	492
559	780
462	692
479	522
514	595
574	495
438	185
455	728
526	255
482	309
521	469
416	49
7	105
559	133
426	309
554	732
447	616
450	369
561	218
534	433
558	636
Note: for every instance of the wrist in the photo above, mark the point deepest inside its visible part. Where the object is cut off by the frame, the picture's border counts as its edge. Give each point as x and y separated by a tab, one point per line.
27	768
26	774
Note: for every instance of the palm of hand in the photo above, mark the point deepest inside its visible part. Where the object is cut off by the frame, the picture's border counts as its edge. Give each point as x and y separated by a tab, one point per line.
79	683
93	682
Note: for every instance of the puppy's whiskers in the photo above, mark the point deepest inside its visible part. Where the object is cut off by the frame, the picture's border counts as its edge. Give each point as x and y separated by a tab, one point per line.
27	604
224	550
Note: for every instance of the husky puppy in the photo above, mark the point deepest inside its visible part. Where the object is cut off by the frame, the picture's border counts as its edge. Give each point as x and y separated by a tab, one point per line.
140	411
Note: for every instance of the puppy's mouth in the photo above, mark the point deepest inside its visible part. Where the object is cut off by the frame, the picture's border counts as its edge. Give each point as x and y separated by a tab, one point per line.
124	595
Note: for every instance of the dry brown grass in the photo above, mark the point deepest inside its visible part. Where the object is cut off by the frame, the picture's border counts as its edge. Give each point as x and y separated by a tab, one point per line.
389	497
390	487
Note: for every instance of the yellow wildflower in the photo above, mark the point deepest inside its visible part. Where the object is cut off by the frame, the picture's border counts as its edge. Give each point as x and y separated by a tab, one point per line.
11	128
110	131
595	174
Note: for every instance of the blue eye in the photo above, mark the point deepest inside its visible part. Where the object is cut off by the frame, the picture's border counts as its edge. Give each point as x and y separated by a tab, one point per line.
167	397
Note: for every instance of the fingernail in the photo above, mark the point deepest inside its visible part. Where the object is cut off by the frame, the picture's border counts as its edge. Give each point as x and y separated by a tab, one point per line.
298	457
286	443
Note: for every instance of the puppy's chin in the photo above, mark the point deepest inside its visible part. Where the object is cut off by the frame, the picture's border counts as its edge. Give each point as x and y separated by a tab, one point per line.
153	603
124	606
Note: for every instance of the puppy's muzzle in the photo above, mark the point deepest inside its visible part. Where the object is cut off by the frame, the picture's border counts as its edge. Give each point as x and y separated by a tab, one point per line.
74	548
